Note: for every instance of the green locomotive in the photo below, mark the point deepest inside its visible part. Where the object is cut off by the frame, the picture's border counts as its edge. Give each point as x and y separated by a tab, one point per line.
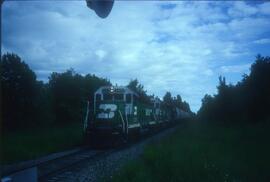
118	113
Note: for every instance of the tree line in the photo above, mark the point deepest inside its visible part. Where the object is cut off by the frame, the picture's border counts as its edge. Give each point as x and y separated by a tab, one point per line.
27	102
246	101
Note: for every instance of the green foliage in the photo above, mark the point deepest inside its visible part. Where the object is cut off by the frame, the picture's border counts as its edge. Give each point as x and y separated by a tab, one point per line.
135	86
170	102
32	143
90	84
199	152
40	118
18	92
27	102
66	96
248	100
70	91
43	105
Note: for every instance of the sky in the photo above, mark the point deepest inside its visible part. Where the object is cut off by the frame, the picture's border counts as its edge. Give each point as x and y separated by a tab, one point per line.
177	46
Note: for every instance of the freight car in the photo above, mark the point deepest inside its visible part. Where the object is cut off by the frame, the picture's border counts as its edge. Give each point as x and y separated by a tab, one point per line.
118	114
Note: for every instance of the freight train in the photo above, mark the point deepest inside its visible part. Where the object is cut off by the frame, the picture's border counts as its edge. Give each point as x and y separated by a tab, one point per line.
118	113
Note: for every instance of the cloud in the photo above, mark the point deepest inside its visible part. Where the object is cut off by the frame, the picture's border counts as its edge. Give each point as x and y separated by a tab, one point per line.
180	47
242	9
236	68
101	53
265	8
262	41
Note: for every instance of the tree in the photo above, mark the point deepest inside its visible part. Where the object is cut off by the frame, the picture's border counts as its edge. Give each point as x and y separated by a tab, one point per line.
178	100
135	86
66	96
90	84
248	100
167	100
70	91
19	90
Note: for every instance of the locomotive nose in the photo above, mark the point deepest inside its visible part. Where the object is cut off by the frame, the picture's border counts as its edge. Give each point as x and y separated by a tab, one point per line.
107	111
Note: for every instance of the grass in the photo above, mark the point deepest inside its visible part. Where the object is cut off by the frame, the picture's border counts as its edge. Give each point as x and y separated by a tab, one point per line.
204	152
32	143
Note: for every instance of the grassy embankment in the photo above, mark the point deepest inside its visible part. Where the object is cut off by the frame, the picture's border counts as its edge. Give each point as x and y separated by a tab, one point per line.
204	152
37	142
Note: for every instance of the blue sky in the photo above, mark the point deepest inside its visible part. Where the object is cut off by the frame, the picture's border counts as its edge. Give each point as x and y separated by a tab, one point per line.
177	46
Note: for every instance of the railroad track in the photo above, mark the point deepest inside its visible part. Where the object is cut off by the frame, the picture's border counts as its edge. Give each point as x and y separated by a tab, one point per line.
55	163
45	170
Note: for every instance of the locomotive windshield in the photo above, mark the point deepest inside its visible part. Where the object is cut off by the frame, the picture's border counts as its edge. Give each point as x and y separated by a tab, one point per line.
107	97
112	94
113	97
119	97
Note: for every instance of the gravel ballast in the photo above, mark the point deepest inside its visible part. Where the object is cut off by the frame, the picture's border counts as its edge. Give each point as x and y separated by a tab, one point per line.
106	166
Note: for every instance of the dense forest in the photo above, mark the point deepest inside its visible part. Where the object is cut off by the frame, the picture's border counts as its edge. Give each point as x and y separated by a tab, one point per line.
27	102
247	101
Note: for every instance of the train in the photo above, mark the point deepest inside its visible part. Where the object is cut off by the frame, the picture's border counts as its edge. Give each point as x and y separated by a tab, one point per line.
117	113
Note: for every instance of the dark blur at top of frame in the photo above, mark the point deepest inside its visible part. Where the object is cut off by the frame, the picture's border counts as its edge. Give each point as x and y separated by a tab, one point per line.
101	7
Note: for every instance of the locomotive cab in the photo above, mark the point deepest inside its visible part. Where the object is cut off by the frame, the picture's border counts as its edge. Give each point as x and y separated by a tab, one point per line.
114	113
